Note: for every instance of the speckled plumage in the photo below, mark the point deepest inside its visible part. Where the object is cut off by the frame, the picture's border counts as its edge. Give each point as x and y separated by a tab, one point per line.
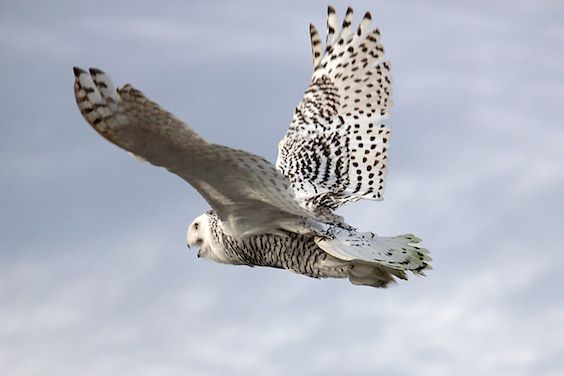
282	215
335	150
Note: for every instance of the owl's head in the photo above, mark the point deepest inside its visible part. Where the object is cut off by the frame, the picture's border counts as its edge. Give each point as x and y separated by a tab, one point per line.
201	234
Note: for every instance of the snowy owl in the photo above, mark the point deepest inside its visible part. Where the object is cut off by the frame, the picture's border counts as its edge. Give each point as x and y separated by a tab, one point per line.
282	215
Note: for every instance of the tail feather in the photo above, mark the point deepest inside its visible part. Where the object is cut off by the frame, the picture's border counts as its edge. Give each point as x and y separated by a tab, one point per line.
368	274
376	259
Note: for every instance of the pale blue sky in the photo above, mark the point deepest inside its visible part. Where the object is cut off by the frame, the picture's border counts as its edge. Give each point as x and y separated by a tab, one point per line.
95	276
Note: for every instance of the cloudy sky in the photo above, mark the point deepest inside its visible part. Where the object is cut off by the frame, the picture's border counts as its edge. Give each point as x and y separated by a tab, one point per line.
95	276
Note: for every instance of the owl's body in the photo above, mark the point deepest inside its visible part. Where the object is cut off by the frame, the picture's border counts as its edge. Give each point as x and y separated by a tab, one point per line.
303	255
281	215
290	251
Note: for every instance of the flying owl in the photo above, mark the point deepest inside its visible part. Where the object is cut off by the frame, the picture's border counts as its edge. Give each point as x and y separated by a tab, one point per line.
282	215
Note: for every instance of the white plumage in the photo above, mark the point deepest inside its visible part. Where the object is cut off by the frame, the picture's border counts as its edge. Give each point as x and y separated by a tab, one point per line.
335	151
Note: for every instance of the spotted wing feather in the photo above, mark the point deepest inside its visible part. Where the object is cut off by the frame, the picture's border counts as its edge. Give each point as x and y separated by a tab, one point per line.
335	150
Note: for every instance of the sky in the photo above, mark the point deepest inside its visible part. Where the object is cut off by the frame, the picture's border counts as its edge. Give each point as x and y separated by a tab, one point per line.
95	275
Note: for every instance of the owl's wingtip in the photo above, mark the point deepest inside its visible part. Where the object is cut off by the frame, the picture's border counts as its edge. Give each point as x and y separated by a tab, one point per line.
96	71
78	71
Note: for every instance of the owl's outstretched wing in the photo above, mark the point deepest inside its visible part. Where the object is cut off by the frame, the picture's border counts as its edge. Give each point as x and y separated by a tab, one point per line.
246	191
336	149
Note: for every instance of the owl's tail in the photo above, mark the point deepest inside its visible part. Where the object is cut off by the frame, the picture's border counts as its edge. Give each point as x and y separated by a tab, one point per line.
376	260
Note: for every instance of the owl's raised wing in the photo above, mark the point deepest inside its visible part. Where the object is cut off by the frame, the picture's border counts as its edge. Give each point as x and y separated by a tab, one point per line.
336	149
246	191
